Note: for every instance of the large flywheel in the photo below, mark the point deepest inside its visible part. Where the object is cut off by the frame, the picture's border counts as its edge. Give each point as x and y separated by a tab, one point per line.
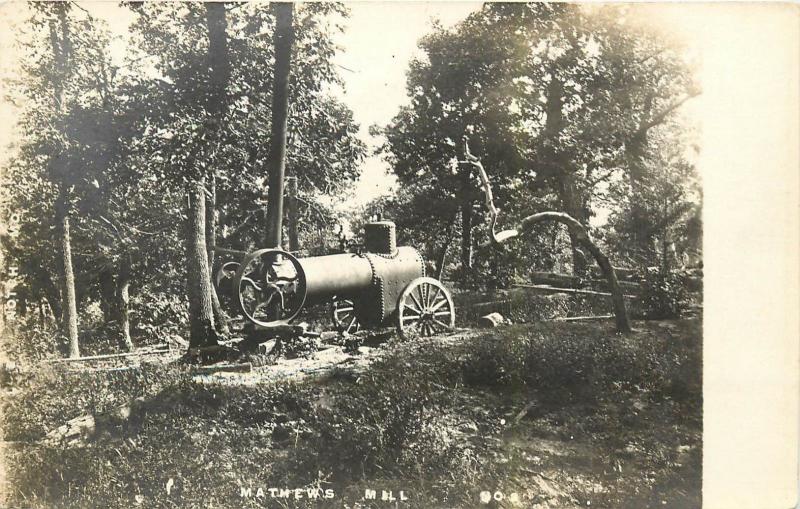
270	287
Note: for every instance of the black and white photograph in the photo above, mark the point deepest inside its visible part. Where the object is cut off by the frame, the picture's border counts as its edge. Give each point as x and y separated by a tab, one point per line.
398	254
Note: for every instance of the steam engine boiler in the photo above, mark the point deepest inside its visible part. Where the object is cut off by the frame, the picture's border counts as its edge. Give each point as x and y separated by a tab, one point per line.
380	286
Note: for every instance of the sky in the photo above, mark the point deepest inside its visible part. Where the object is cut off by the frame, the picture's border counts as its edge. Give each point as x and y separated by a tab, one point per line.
379	41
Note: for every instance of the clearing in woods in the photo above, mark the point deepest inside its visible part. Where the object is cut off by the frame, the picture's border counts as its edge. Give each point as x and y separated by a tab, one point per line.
542	415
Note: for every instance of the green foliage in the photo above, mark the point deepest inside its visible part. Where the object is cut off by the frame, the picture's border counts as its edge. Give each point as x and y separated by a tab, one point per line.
377	424
437	421
158	315
31	341
663	294
559	102
127	136
498	362
659	221
52	395
174	126
582	363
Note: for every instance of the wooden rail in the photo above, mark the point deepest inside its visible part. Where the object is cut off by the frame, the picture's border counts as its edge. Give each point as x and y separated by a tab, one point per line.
112	355
554	289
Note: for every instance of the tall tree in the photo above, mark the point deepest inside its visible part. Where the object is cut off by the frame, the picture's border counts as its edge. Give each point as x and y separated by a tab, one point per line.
547	93
657	222
283	39
204	306
188	125
65	161
202	331
61	44
136	135
220	65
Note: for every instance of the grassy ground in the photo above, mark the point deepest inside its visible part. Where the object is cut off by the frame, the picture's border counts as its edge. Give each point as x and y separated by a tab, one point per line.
541	415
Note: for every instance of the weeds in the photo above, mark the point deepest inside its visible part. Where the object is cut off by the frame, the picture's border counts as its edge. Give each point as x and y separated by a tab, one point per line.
441	422
581	363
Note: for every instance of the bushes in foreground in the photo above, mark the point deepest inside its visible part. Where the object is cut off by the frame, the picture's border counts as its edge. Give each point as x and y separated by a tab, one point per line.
570	363
54	394
424	416
369	423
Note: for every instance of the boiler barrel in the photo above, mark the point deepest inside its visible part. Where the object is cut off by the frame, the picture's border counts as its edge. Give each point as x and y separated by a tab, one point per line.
345	275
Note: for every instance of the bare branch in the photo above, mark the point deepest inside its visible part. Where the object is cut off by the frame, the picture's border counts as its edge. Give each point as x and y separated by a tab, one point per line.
663	114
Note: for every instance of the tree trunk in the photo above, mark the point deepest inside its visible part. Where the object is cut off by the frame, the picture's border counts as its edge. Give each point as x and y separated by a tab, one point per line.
220	318
572	204
442	258
121	307
62	49
283	39
466	236
114	301
294	241
582	236
69	308
218	57
211	218
568	193
201	313
53	296
640	222
107	293
219	63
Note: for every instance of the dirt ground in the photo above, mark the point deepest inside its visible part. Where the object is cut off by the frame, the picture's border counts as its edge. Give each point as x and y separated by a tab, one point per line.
542	415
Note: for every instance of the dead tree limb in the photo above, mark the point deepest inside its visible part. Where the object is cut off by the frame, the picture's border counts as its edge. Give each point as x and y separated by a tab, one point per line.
577	232
580	233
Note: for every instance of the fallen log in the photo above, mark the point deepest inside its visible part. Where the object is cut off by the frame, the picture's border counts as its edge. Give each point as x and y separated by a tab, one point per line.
235	252
76	431
555	279
623	273
602	285
109	356
581	318
245	367
105	370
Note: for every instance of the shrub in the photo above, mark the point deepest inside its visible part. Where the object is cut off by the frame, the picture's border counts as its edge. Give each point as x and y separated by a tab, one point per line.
382	421
498	360
156	315
663	295
30	341
52	395
562	363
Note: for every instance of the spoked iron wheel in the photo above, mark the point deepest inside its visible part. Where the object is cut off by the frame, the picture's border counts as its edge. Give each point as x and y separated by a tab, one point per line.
344	316
425	308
